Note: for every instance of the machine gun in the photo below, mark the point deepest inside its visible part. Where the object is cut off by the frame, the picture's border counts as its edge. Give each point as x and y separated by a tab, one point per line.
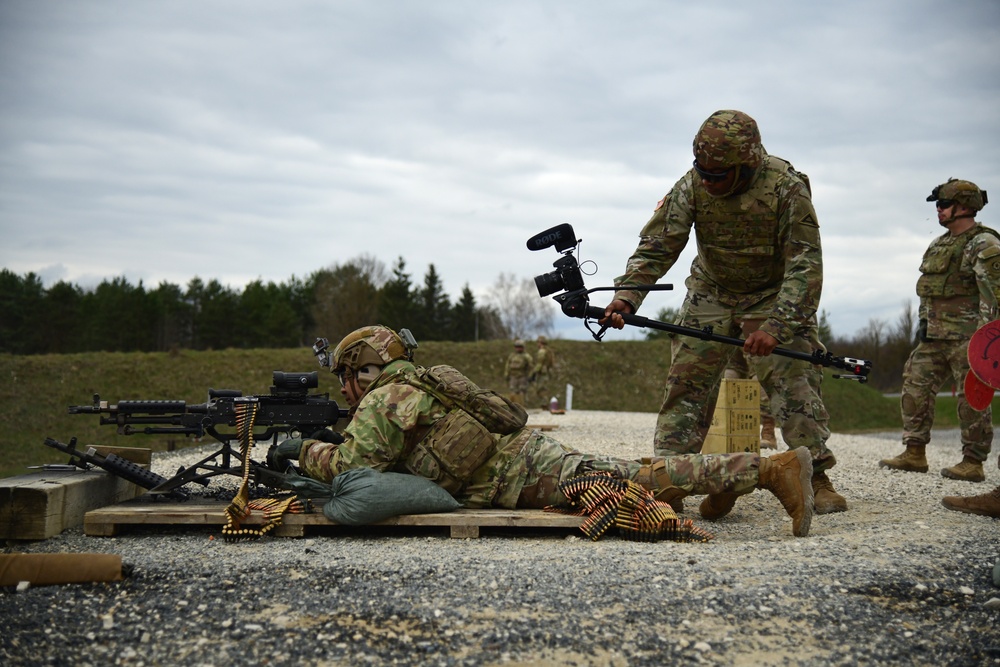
289	408
575	302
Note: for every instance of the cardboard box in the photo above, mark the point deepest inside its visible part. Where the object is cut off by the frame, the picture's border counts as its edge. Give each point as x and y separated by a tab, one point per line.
735	421
735	425
721	443
743	394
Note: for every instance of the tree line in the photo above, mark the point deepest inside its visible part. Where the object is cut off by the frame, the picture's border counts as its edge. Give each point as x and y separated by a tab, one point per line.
117	316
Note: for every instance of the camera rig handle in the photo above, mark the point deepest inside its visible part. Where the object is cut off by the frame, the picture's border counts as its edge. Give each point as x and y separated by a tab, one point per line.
577	304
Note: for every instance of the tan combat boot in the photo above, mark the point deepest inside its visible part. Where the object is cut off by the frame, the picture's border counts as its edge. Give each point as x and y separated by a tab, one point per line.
827	499
767	437
987	504
787	476
911	460
969	470
717	505
654	478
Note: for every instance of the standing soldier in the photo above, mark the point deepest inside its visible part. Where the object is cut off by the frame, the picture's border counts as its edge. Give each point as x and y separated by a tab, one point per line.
516	371
545	363
758	274
958	288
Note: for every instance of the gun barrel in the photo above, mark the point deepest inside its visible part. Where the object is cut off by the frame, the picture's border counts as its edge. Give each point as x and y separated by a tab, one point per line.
152	407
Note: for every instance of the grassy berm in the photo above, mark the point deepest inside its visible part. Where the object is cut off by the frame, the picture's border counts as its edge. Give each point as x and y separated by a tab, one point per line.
35	391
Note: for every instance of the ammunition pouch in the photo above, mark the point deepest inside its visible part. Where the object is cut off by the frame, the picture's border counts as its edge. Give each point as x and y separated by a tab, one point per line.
451	387
451	451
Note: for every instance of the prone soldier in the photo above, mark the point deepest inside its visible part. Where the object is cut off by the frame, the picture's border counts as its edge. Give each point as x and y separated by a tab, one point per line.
480	451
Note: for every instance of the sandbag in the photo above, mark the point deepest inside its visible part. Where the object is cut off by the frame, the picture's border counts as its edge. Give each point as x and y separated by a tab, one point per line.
364	495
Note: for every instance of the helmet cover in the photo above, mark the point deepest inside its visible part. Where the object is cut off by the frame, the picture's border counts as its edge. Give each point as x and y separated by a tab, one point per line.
965	193
376	345
729	138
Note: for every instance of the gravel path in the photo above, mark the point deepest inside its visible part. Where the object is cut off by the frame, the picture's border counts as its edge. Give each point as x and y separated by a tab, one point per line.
897	580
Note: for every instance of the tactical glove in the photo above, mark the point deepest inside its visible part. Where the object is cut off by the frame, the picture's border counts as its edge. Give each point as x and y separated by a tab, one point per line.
278	457
327	435
922	331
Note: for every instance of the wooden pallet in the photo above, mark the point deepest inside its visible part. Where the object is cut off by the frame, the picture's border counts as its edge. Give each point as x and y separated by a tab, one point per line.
463	523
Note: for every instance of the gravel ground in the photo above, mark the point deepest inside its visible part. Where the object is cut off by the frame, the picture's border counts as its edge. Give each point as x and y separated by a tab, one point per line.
896	580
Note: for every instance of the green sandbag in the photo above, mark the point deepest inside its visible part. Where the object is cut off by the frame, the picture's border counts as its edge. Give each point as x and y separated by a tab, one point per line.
365	495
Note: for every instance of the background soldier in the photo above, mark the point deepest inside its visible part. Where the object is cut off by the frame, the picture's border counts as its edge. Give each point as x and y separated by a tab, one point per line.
958	288
401	424
516	370
758	275
545	363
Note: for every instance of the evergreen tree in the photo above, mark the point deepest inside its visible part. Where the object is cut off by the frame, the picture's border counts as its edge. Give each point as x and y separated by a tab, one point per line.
63	305
464	318
119	317
21	312
268	316
396	299
215	314
433	321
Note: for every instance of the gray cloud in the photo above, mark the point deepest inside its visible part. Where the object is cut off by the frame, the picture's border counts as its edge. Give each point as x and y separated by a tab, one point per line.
237	140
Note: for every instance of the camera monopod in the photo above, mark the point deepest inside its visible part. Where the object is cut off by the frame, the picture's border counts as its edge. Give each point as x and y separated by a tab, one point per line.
575	302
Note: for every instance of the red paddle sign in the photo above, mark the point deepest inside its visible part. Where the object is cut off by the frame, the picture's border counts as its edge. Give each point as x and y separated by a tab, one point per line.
984	366
978	395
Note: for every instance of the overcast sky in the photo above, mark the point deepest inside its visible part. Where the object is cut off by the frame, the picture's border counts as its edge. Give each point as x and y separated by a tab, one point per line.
239	140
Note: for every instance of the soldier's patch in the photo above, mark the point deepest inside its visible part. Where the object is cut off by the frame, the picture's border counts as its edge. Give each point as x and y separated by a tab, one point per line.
991	260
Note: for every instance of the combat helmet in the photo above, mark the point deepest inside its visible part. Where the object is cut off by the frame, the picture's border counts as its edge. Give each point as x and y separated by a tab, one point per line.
371	346
965	193
730	139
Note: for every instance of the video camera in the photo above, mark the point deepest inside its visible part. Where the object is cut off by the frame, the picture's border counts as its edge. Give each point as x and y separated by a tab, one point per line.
568	276
575	302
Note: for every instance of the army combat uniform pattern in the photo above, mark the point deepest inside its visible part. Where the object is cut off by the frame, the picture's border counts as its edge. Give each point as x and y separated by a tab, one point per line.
517	369
959	288
545	363
395	420
759	266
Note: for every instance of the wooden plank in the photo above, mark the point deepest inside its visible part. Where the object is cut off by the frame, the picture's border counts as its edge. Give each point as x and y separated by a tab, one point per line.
463	523
40	505
45	569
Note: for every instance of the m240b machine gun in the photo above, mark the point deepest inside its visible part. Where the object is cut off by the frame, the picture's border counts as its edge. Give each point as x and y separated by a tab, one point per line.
575	302
226	416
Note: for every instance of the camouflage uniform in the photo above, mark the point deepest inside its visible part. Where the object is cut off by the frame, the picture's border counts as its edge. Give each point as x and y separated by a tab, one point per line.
545	363
759	266
958	288
517	369
523	469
